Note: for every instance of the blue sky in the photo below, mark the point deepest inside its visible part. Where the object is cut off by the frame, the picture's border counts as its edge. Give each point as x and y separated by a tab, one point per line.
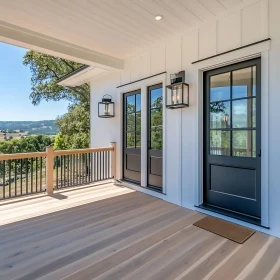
15	86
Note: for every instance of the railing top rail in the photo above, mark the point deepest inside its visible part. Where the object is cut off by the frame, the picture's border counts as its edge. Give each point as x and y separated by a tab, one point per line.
81	151
22	155
56	153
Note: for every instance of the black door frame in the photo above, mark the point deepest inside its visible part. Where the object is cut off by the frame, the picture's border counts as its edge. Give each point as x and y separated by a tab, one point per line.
124	95
156	153
205	134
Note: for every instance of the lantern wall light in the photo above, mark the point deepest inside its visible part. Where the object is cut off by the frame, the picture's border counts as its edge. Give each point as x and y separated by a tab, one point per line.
177	93
106	108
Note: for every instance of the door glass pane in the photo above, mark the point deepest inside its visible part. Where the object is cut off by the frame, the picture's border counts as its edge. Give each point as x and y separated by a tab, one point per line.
254	143
220	87
254	109
156	98
130	122
156	139
130	139
220	115
130	104
243	144
138	121
138	102
156	117
243	114
220	142
138	139
254	73
242	83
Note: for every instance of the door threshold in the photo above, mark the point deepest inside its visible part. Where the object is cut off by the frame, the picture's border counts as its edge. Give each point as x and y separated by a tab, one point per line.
150	188
231	214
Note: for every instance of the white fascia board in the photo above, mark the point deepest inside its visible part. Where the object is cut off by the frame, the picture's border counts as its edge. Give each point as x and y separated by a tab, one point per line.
25	38
83	76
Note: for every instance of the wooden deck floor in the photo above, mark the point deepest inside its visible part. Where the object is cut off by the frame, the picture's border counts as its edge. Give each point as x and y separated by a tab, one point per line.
108	232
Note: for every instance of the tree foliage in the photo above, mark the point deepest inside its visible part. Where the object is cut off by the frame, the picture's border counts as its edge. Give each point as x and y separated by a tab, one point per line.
74	126
46	70
28	144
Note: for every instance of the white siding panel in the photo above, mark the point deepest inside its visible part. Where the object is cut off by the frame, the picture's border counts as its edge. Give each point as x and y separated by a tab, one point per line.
173	55
189	48
252	24
158	59
125	74
229	32
145	65
134	69
207	40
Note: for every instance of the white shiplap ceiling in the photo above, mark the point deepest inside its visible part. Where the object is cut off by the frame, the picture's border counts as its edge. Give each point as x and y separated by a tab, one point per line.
119	28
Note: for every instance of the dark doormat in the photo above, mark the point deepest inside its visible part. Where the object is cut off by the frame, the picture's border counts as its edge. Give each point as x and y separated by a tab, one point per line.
236	233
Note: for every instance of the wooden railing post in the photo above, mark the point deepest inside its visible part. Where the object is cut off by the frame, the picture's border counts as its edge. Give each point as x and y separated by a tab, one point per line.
114	161
49	169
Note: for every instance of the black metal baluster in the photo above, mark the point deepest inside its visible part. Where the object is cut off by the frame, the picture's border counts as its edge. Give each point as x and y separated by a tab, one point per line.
4	179
86	165
61	164
15	172
10	175
100	166
41	173
21	176
57	163
26	175
36	174
31	176
67	169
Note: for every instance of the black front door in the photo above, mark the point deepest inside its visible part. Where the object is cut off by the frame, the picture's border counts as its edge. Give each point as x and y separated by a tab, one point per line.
232	121
155	136
132	137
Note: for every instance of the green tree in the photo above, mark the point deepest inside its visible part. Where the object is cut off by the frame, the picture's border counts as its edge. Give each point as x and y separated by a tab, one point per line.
74	128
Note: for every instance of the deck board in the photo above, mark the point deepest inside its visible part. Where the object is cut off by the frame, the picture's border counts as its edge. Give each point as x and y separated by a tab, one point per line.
109	232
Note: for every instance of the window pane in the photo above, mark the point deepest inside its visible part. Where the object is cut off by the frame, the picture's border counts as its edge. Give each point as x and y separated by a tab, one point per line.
138	121
138	139
243	113
220	87
130	139
156	139
156	117
220	115
243	144
130	104
242	83
130	122
220	142
138	102
156	98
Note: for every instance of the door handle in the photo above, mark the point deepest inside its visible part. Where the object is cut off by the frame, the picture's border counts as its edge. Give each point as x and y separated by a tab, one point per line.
260	153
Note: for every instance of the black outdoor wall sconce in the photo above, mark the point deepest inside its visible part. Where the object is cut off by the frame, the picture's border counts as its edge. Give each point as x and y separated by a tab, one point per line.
106	108
177	93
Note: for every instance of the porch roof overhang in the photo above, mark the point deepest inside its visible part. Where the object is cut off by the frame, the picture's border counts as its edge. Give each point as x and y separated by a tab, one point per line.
101	34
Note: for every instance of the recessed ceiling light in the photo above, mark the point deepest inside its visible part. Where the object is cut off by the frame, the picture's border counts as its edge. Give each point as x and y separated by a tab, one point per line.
158	17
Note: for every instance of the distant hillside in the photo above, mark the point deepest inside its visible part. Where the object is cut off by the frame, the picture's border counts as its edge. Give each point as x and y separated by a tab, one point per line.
46	127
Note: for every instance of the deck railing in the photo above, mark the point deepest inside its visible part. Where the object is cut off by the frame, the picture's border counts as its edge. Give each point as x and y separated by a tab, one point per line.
28	173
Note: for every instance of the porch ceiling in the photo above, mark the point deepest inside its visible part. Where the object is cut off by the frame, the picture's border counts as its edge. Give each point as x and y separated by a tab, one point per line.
116	28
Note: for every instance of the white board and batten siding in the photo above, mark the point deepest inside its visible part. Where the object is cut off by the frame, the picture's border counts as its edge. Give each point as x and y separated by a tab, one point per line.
251	22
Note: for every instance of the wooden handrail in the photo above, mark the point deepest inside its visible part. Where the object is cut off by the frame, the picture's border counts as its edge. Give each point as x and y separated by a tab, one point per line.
22	155
56	153
81	151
